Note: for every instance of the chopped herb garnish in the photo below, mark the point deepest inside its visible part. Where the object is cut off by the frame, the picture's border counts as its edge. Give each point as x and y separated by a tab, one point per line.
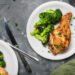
57	46
49	52
59	34
73	17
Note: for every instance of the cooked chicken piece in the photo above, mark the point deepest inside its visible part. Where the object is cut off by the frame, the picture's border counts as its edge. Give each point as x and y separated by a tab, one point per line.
3	71
60	37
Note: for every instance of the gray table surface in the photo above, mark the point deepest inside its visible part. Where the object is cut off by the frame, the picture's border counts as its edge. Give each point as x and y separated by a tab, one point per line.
18	11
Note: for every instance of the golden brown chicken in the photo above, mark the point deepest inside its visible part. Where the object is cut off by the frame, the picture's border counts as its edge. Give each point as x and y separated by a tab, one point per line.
3	71
60	37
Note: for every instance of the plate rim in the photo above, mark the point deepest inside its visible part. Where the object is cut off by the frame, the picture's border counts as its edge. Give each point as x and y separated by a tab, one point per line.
33	12
13	53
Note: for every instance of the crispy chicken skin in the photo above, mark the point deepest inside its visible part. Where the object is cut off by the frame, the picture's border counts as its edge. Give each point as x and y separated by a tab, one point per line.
60	38
3	71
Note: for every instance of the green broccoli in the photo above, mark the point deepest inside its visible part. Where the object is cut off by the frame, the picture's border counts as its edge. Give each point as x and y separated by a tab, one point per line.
43	39
50	11
42	23
58	15
45	25
48	29
2	64
1	56
53	16
35	31
45	15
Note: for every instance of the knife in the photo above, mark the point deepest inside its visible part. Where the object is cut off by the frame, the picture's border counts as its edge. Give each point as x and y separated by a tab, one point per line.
13	41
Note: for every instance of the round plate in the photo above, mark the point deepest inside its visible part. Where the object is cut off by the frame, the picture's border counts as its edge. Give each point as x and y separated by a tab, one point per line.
36	44
10	58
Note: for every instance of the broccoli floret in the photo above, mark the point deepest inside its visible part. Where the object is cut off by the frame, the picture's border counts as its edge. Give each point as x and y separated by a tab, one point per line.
2	64
53	16
1	56
48	29
50	11
35	31
44	25
58	15
43	39
44	15
41	23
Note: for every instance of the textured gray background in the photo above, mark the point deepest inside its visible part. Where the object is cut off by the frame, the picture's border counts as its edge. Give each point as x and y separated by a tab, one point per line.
18	11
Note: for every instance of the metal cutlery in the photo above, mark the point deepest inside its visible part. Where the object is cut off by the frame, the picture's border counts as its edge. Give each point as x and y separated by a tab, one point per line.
20	50
25	63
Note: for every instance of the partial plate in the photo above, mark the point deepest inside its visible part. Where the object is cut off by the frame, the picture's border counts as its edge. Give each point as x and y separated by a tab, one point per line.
10	58
36	44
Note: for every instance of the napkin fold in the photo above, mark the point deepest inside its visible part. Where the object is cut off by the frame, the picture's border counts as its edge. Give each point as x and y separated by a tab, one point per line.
65	69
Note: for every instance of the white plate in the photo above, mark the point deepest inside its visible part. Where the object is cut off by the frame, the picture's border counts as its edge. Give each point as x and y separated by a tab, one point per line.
10	58
36	44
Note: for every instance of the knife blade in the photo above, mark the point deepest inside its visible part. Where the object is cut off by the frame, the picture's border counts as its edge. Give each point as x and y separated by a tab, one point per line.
13	41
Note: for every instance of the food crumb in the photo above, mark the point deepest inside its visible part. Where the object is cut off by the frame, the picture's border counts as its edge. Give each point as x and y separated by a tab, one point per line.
49	52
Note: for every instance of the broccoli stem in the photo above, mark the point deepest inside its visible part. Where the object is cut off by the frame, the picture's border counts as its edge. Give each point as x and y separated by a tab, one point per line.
48	29
42	22
43	39
35	31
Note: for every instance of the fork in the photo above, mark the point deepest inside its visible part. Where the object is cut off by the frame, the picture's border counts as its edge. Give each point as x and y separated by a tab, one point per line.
19	50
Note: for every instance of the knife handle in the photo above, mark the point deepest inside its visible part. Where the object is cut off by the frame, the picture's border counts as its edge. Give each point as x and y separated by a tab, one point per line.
25	63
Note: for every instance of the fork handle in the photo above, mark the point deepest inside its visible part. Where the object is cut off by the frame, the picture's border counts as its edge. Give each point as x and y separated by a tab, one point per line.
26	65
